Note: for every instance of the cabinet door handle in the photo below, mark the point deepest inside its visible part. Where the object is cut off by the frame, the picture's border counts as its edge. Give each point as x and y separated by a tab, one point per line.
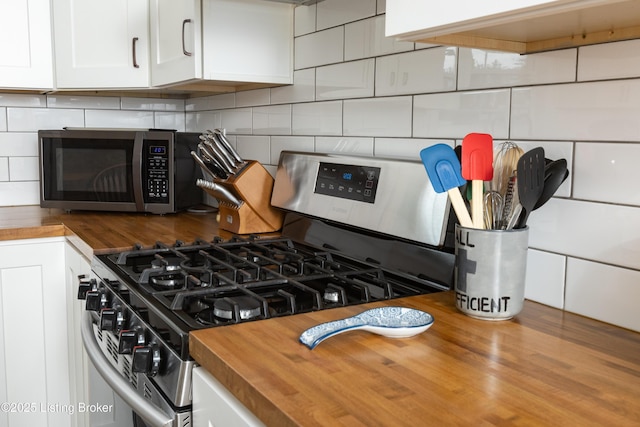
184	50
135	61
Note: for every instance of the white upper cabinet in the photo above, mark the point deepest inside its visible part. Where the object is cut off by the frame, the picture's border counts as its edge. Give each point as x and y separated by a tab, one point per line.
101	44
25	45
515	25
176	37
221	42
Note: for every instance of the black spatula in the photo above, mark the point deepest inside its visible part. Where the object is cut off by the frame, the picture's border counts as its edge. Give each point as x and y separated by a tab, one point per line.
530	182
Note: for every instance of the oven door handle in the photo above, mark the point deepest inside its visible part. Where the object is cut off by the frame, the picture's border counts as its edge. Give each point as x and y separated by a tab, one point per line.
141	406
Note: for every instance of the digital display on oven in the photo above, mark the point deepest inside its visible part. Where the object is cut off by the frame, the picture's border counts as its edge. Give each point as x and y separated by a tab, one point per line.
348	181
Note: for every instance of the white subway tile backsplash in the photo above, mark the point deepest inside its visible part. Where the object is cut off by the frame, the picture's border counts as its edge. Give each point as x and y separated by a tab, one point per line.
34	119
17	100
197	122
347	80
345	145
18	144
98	102
163	120
609	61
321	48
19	193
254	148
595	231
152	104
456	114
215	102
603	292
479	68
4	169
249	98
545	278
302	90
421	71
407	148
119	119
319	118
304	20
23	168
338	12
290	143
378	117
272	120
236	121
597	111
607	172
3	119
366	39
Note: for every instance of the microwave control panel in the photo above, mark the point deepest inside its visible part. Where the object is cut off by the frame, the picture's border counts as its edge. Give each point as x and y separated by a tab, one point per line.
156	166
348	181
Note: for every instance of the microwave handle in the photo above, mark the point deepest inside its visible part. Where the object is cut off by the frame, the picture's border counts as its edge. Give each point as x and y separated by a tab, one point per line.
136	164
141	406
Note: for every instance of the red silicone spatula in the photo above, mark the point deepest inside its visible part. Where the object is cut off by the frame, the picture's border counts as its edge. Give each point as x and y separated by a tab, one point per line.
477	167
443	169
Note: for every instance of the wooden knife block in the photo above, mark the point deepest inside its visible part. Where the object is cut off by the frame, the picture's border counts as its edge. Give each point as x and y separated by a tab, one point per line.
253	185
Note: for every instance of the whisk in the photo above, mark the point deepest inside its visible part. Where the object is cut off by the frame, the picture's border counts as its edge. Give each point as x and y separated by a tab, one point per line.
504	164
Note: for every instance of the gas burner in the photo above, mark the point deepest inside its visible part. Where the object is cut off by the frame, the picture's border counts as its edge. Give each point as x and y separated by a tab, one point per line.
167	281
237	309
166	263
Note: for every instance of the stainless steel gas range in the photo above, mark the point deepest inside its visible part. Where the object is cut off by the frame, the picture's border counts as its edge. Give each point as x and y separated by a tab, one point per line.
357	230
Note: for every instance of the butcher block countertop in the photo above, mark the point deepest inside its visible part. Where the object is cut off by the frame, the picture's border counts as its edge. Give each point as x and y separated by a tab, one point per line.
544	367
96	232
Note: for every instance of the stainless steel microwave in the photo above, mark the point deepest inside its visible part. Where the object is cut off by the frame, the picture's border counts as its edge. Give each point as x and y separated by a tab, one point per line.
118	170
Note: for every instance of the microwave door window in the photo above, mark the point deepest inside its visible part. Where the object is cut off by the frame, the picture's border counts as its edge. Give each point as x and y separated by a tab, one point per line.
90	174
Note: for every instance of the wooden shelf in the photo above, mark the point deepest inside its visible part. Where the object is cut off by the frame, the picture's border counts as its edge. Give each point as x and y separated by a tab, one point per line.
536	29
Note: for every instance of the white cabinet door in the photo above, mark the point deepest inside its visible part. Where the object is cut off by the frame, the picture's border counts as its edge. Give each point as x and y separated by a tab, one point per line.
214	405
76	264
248	41
25	45
176	38
34	369
101	44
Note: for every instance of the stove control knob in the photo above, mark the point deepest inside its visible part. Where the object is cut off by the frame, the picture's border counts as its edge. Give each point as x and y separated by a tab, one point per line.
96	300
111	319
146	360
129	339
86	285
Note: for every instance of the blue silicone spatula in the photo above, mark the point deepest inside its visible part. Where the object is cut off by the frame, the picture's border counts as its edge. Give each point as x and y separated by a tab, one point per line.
444	171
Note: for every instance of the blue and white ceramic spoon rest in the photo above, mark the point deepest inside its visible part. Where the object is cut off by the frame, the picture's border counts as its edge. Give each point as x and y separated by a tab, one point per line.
393	322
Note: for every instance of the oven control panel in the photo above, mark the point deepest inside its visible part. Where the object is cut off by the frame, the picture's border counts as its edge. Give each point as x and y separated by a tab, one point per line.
386	195
348	181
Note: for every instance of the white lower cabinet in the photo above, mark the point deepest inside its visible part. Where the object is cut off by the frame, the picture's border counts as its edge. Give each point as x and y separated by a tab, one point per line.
34	353
215	406
46	379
